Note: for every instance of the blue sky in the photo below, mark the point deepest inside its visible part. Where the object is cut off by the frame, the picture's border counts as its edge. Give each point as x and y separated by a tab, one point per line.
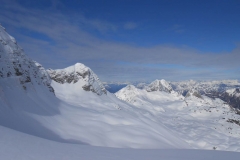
130	40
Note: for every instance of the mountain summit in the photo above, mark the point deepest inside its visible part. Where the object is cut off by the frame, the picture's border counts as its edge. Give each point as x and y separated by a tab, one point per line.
159	85
78	72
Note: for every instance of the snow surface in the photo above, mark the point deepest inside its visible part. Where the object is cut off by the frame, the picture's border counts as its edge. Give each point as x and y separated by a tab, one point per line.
201	121
16	145
107	121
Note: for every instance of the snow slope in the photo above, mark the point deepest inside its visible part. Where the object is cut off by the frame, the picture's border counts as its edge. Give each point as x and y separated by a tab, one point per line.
16	145
203	122
107	121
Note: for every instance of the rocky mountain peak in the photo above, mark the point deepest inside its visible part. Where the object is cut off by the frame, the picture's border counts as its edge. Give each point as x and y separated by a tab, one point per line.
78	72
130	87
127	93
159	85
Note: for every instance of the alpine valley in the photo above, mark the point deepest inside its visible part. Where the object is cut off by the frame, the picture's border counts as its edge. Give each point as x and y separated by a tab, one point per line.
68	114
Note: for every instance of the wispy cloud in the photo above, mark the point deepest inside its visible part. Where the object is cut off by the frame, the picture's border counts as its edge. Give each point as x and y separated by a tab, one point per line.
130	25
70	41
177	28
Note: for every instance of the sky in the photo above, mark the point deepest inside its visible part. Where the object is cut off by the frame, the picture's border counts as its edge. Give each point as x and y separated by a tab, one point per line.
130	40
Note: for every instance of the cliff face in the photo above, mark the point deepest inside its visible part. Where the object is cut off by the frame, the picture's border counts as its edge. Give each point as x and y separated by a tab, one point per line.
15	64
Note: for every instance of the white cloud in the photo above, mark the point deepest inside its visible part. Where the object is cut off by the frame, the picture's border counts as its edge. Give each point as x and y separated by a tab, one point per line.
73	43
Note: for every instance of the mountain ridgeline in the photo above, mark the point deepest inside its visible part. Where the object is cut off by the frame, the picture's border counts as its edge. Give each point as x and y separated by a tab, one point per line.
226	90
16	64
78	72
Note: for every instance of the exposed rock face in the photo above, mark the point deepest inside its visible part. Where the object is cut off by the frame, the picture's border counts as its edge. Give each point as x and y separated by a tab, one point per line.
159	85
226	90
231	96
78	72
193	92
14	63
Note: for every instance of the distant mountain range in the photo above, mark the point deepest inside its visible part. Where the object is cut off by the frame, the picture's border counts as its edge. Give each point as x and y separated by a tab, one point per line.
226	90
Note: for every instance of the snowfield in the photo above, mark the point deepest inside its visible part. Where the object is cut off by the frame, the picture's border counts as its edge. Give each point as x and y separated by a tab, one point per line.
68	114
203	122
16	145
107	121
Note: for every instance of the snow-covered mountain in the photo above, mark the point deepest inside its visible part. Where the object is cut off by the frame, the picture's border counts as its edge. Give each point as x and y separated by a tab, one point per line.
193	93
212	89
204	86
113	87
202	121
230	96
16	65
53	111
25	90
159	85
76	73
80	111
113	121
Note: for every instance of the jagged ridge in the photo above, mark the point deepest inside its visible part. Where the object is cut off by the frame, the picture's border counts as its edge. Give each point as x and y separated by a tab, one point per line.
78	72
226	90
